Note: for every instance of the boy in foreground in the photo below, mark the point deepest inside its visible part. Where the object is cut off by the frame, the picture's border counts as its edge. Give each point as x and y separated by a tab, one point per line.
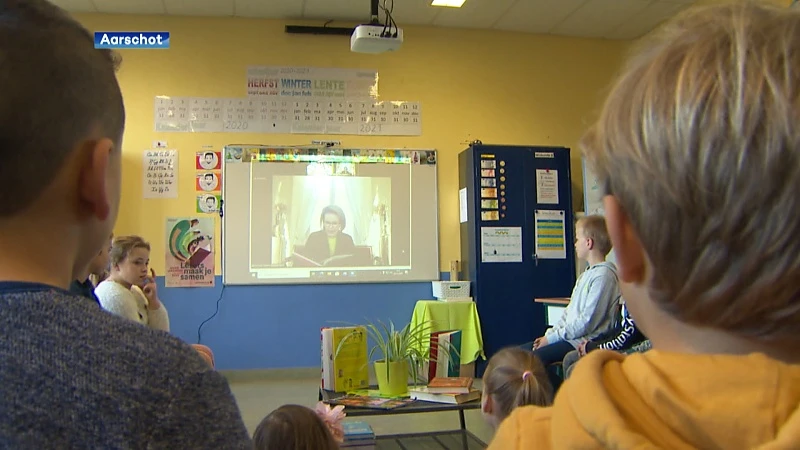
72	375
698	145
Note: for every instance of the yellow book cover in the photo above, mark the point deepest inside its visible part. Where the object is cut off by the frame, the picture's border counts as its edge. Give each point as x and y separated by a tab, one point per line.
350	364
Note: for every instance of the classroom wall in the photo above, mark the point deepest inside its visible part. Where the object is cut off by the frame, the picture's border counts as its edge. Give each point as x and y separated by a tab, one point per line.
501	88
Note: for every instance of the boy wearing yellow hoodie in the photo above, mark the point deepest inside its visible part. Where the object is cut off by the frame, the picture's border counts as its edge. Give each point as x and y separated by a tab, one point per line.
698	148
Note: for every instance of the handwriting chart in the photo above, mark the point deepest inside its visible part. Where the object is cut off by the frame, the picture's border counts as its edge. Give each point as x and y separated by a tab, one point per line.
160	174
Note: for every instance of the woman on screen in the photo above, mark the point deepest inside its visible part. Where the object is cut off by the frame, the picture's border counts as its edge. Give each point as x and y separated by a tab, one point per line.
330	243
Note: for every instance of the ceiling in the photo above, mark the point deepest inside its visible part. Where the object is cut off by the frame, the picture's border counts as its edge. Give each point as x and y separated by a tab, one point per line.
610	19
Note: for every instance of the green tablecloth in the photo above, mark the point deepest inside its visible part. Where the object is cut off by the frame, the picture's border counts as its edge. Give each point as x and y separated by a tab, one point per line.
443	316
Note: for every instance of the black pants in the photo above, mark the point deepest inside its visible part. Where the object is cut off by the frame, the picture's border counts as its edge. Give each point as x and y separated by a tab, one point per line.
552	354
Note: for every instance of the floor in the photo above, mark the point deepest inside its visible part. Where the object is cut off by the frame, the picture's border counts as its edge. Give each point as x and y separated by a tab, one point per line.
260	393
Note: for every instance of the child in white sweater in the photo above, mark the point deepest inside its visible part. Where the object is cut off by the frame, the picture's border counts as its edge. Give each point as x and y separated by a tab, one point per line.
130	290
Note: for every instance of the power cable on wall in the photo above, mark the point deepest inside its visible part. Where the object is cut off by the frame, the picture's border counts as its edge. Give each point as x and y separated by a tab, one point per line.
221	292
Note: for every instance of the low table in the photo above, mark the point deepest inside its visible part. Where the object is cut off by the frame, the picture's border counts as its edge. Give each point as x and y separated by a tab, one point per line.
449	439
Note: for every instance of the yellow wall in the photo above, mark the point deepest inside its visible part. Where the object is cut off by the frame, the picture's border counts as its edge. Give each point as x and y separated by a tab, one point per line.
501	88
774	2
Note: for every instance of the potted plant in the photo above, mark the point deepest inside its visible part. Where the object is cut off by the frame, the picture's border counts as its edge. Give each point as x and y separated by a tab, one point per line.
401	352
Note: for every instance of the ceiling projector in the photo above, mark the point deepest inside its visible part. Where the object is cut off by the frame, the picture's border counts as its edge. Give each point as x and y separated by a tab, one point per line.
376	38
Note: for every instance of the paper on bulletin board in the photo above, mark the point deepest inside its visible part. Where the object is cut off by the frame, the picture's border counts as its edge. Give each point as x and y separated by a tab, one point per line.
550	235
160	174
208	203
462	205
208	182
501	244
546	187
190	252
208	160
593	195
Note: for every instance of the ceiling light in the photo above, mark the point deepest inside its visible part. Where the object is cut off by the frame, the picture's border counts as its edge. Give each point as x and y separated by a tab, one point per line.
448	3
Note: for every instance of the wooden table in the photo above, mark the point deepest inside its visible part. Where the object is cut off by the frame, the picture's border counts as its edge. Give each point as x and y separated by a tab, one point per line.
553	309
448	439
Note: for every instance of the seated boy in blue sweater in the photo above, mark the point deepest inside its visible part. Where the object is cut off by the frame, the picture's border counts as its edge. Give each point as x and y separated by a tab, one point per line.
590	310
622	337
72	375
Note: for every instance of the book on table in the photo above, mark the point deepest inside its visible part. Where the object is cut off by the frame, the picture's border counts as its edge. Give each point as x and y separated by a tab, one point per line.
450	385
362	401
443	343
348	370
358	435
423	394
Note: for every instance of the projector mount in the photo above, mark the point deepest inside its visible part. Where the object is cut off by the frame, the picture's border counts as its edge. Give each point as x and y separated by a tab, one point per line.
375	7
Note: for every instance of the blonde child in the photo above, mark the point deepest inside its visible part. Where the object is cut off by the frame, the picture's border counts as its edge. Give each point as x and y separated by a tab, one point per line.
513	377
295	427
698	150
591	308
130	290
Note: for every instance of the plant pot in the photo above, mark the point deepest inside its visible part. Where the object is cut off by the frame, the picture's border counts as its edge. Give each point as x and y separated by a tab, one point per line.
396	384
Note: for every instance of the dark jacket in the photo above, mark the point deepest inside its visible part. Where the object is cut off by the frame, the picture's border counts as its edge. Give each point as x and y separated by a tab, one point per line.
317	247
85	289
622	336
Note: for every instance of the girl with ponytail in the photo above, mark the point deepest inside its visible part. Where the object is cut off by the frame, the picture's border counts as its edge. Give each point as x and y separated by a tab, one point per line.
514	377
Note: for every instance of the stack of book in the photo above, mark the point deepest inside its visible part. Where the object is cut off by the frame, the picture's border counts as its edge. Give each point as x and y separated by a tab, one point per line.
444	344
452	390
358	435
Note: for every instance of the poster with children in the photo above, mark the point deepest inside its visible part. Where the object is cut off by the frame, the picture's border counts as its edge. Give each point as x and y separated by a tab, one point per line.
190	252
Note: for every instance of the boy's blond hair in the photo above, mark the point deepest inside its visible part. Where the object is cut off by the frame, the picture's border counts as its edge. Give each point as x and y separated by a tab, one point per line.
699	141
594	228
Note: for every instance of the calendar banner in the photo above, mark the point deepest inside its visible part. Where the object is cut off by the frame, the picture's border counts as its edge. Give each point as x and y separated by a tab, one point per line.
313	115
306	82
190	252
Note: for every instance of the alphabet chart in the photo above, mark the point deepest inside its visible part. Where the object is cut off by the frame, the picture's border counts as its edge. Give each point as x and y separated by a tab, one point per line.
160	174
285	116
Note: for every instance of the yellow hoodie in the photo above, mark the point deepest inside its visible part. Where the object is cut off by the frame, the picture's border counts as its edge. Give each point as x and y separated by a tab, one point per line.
665	400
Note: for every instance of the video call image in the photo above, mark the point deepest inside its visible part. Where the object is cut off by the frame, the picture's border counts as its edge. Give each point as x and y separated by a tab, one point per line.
332	221
326	215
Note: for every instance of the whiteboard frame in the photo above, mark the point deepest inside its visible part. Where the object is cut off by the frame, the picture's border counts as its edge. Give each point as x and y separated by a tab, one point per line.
224	216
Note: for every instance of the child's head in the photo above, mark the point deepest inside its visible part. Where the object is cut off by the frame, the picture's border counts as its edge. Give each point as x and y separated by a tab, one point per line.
698	148
591	236
99	265
61	126
130	258
293	427
513	377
